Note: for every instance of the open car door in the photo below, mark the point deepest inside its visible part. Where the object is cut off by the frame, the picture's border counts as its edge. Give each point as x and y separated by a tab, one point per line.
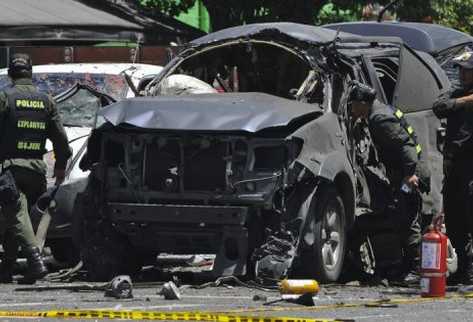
420	81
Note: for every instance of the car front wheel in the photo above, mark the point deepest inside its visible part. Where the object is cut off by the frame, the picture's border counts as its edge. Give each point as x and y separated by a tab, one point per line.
327	224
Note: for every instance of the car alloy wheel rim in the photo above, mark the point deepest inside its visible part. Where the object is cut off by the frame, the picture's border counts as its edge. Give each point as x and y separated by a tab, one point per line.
331	234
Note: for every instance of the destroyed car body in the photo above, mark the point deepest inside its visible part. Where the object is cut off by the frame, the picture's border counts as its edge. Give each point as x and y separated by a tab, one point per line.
265	173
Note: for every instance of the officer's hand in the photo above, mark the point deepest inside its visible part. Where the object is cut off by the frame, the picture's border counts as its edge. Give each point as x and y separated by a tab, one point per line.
465	99
412	181
60	175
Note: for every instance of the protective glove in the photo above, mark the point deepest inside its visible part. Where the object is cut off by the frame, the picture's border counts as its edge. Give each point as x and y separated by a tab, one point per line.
60	175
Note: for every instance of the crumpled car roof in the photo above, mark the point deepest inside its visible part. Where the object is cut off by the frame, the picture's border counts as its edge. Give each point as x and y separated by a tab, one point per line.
250	112
431	38
301	32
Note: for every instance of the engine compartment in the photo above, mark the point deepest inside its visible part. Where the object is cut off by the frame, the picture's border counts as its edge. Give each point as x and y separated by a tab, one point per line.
172	168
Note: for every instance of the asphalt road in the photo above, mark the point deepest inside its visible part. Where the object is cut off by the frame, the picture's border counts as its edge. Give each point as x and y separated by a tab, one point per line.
333	301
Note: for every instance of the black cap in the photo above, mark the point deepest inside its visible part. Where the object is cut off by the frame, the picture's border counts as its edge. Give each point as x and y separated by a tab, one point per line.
464	60
361	92
19	62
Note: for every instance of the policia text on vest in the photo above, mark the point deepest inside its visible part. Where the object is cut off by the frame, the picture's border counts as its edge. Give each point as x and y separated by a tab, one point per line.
32	104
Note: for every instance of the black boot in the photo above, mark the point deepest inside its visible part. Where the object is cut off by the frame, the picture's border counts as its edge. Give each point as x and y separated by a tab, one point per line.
6	272
10	251
36	268
412	277
468	276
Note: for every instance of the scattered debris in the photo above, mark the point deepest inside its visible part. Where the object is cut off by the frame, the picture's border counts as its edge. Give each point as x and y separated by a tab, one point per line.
170	291
381	304
274	258
260	297
327	292
226	279
120	287
353	283
304	299
65	275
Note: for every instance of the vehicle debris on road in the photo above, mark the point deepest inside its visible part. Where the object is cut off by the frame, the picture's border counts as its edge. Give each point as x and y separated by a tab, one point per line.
170	291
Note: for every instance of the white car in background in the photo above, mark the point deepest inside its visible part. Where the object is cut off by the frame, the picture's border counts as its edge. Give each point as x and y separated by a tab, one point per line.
80	90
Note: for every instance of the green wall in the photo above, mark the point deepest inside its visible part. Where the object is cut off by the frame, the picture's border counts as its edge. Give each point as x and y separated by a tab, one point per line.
197	17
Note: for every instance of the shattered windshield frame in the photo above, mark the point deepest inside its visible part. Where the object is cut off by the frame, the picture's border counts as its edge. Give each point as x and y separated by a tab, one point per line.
223	81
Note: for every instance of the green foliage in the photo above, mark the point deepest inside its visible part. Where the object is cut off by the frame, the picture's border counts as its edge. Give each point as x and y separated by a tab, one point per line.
455	13
331	13
169	7
225	13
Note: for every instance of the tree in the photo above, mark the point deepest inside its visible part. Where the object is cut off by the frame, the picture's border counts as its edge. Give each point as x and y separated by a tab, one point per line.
455	13
226	13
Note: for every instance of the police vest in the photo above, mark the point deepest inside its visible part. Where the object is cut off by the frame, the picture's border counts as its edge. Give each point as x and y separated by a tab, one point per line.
26	125
409	129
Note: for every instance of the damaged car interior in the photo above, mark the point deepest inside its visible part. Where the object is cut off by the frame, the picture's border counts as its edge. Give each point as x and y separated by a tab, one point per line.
254	66
253	157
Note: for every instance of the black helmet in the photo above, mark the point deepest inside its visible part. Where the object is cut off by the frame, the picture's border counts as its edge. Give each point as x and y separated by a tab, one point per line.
20	64
361	92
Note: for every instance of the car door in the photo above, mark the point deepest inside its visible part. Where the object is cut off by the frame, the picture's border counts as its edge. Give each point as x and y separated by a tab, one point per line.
412	83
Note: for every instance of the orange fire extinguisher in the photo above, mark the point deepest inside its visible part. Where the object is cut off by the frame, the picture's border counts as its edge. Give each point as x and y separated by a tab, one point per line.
433	271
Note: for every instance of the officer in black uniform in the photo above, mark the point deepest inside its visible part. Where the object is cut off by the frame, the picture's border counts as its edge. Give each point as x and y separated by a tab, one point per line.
457	108
27	119
398	150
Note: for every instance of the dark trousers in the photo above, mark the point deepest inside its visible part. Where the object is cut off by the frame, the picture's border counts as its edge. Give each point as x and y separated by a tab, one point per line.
458	194
410	206
19	231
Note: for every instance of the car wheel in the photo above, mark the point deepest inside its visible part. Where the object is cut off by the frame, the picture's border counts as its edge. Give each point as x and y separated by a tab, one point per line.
327	224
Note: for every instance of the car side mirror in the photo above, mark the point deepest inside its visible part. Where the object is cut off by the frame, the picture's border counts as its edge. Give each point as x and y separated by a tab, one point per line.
441	133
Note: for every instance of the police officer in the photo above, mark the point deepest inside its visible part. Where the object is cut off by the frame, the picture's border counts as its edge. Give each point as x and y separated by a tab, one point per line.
27	119
397	149
457	108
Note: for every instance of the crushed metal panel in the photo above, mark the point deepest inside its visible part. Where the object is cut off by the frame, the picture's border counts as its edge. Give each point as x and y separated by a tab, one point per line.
250	112
321	138
300	32
431	38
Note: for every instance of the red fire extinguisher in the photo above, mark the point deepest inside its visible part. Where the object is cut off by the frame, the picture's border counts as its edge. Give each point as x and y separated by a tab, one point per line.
433	271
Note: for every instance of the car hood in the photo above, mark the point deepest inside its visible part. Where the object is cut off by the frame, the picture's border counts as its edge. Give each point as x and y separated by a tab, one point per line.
250	112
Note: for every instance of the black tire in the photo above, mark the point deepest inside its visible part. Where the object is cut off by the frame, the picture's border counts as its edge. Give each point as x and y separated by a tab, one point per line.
324	259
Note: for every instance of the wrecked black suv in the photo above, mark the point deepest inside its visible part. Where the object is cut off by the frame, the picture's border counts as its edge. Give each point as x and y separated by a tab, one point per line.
252	158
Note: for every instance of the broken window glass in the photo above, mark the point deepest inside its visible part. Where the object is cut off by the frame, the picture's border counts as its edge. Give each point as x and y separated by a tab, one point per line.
56	83
79	109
